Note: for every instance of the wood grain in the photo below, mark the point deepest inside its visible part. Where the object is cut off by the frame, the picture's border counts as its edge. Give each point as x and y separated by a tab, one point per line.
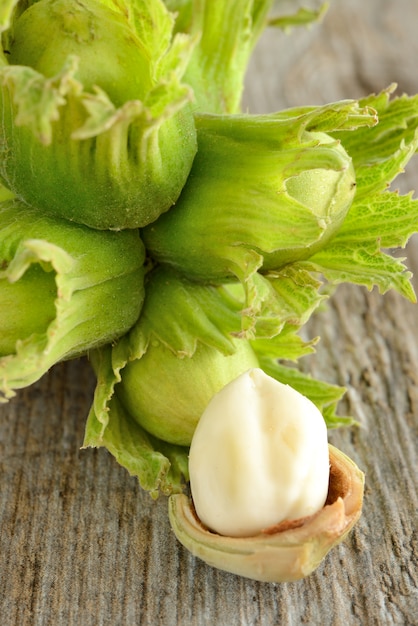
80	544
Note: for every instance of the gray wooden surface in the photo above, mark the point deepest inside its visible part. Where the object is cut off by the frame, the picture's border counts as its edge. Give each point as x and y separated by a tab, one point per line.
80	544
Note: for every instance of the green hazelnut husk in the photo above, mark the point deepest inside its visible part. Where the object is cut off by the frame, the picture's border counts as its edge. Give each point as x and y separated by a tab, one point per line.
254	199
150	383
97	126
64	290
181	351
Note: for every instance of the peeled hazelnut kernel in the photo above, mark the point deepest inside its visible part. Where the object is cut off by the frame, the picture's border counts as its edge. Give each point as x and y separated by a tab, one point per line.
284	552
259	456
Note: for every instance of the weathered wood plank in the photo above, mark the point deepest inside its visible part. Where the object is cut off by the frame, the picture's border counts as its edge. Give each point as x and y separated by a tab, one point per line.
81	544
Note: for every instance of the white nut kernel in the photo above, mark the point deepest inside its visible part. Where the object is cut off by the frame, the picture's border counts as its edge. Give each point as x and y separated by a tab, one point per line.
259	456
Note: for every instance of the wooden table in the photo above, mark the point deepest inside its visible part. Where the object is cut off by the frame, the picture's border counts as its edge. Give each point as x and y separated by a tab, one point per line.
80	544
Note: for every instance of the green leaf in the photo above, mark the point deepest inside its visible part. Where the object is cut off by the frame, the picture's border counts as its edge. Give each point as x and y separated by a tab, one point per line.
380	153
363	266
286	345
276	299
387	219
158	466
380	220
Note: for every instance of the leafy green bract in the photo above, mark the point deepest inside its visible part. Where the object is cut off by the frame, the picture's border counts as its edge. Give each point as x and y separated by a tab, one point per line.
61	289
97	121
